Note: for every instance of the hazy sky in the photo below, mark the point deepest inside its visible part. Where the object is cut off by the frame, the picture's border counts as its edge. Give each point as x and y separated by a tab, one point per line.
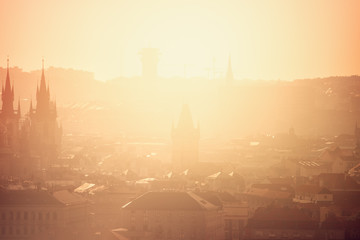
267	39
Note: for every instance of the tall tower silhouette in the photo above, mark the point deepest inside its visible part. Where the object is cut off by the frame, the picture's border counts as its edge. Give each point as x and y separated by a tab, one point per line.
185	138
149	60
45	134
229	73
9	118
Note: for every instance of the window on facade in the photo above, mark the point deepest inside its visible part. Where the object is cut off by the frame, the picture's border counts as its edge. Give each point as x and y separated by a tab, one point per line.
241	224
40	215
3	216
18	216
11	215
47	216
227	235
3	230
169	233
228	224
25	230
145	227
25	215
169	217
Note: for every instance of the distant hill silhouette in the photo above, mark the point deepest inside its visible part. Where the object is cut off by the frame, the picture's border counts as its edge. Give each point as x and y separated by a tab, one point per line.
133	106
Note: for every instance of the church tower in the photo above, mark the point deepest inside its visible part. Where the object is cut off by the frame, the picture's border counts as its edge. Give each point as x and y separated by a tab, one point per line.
185	139
45	134
9	117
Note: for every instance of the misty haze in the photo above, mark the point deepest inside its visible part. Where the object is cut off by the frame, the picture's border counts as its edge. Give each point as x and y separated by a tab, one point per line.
180	120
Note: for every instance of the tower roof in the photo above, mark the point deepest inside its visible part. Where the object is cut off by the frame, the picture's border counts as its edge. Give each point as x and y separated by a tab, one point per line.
185	120
170	201
7	82
42	81
7	94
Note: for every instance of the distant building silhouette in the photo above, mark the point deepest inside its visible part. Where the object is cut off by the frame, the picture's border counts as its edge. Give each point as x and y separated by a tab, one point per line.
185	138
149	60
229	74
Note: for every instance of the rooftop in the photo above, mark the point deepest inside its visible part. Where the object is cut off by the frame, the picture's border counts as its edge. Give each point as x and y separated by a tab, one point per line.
170	201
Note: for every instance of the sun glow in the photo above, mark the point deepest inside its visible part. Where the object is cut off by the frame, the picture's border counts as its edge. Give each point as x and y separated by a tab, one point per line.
267	39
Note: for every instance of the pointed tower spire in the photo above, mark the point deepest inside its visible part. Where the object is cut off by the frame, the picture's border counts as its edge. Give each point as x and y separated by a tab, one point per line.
7	94
7	83
42	81
229	73
42	95
185	120
185	140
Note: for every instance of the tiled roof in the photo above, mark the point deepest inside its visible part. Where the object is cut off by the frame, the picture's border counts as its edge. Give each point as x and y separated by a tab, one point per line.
169	201
281	213
337	181
268	193
315	189
282	218
68	198
217	198
27	197
35	197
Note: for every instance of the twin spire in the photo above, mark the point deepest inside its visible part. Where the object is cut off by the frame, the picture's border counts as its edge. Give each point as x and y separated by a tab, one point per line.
42	95
8	95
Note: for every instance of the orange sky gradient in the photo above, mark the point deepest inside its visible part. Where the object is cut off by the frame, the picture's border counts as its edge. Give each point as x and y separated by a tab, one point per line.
267	39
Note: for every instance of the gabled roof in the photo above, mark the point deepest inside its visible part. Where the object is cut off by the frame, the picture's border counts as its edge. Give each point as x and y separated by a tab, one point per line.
281	213
169	201
217	198
27	197
274	187
337	181
355	170
314	189
268	193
